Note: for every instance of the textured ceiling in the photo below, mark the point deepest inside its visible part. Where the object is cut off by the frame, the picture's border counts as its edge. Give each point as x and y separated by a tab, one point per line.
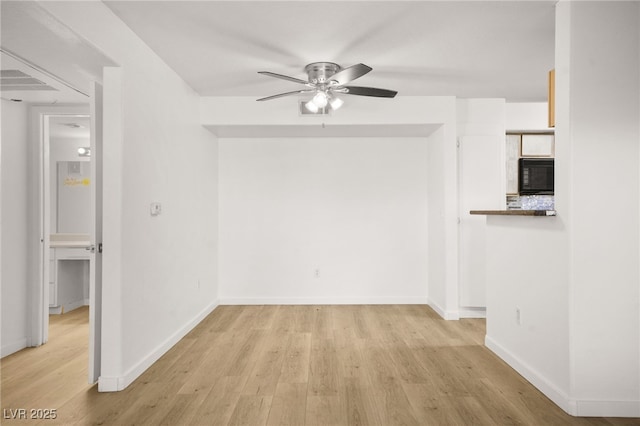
466	49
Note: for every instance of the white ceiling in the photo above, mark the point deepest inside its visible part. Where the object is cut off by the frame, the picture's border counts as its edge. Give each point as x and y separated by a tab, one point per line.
466	49
70	127
57	93
36	43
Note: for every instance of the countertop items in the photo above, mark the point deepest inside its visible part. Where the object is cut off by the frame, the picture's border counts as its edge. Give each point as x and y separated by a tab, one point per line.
514	212
69	241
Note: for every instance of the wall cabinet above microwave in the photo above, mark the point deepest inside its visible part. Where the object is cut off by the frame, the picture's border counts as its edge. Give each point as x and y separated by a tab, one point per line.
537	146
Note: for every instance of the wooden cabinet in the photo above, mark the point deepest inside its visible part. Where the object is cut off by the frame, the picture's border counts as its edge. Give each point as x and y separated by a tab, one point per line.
537	146
69	279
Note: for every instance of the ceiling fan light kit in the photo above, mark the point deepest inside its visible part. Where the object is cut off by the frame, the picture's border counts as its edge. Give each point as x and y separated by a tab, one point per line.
321	99
325	80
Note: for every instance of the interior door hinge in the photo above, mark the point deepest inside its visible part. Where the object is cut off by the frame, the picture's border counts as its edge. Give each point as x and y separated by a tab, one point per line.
99	247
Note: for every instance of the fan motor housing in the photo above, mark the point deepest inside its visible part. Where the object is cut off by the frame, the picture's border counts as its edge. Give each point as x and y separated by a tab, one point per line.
320	72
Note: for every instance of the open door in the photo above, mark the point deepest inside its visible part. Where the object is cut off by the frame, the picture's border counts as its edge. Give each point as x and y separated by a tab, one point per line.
95	277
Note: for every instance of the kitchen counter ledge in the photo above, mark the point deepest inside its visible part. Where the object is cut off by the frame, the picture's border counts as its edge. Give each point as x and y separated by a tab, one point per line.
544	213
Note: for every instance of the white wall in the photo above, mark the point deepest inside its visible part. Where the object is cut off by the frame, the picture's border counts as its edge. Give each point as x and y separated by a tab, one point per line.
360	117
527	269
443	207
481	177
527	116
604	135
439	297
14	227
164	278
323	220
575	277
63	150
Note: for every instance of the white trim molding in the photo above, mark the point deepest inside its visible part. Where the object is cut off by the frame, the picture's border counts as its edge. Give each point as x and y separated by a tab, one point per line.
555	394
114	384
67	307
472	312
448	315
323	301
578	408
586	408
12	347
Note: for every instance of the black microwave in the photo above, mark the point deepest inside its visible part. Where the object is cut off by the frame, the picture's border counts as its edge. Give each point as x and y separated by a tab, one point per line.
535	176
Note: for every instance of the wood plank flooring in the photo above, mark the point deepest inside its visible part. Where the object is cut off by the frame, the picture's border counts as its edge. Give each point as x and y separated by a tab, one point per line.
291	365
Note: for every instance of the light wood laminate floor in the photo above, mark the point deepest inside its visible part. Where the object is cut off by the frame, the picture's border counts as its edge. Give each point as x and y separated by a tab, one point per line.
291	365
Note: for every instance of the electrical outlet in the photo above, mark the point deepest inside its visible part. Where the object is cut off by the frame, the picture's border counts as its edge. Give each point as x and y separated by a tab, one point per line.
518	316
317	273
155	209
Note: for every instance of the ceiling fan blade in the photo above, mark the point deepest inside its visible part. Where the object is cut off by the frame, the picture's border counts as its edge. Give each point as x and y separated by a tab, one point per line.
369	91
350	73
295	92
283	77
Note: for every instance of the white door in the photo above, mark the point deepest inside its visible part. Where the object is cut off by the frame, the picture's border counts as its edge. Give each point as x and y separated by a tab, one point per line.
95	278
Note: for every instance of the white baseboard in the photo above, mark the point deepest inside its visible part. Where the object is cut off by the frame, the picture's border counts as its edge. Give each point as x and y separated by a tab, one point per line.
110	384
12	347
581	408
114	384
323	301
68	307
472	312
448	315
552	392
607	408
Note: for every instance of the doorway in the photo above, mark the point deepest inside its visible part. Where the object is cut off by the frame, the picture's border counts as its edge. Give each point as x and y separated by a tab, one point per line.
67	188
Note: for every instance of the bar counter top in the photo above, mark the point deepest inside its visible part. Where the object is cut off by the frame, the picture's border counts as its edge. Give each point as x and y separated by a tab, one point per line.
514	212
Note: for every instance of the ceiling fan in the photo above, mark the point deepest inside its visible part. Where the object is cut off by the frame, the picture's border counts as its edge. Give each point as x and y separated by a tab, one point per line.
326	80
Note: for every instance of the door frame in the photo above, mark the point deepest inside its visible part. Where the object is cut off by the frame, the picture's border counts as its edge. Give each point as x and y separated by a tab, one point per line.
39	219
40	211
95	234
40	202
